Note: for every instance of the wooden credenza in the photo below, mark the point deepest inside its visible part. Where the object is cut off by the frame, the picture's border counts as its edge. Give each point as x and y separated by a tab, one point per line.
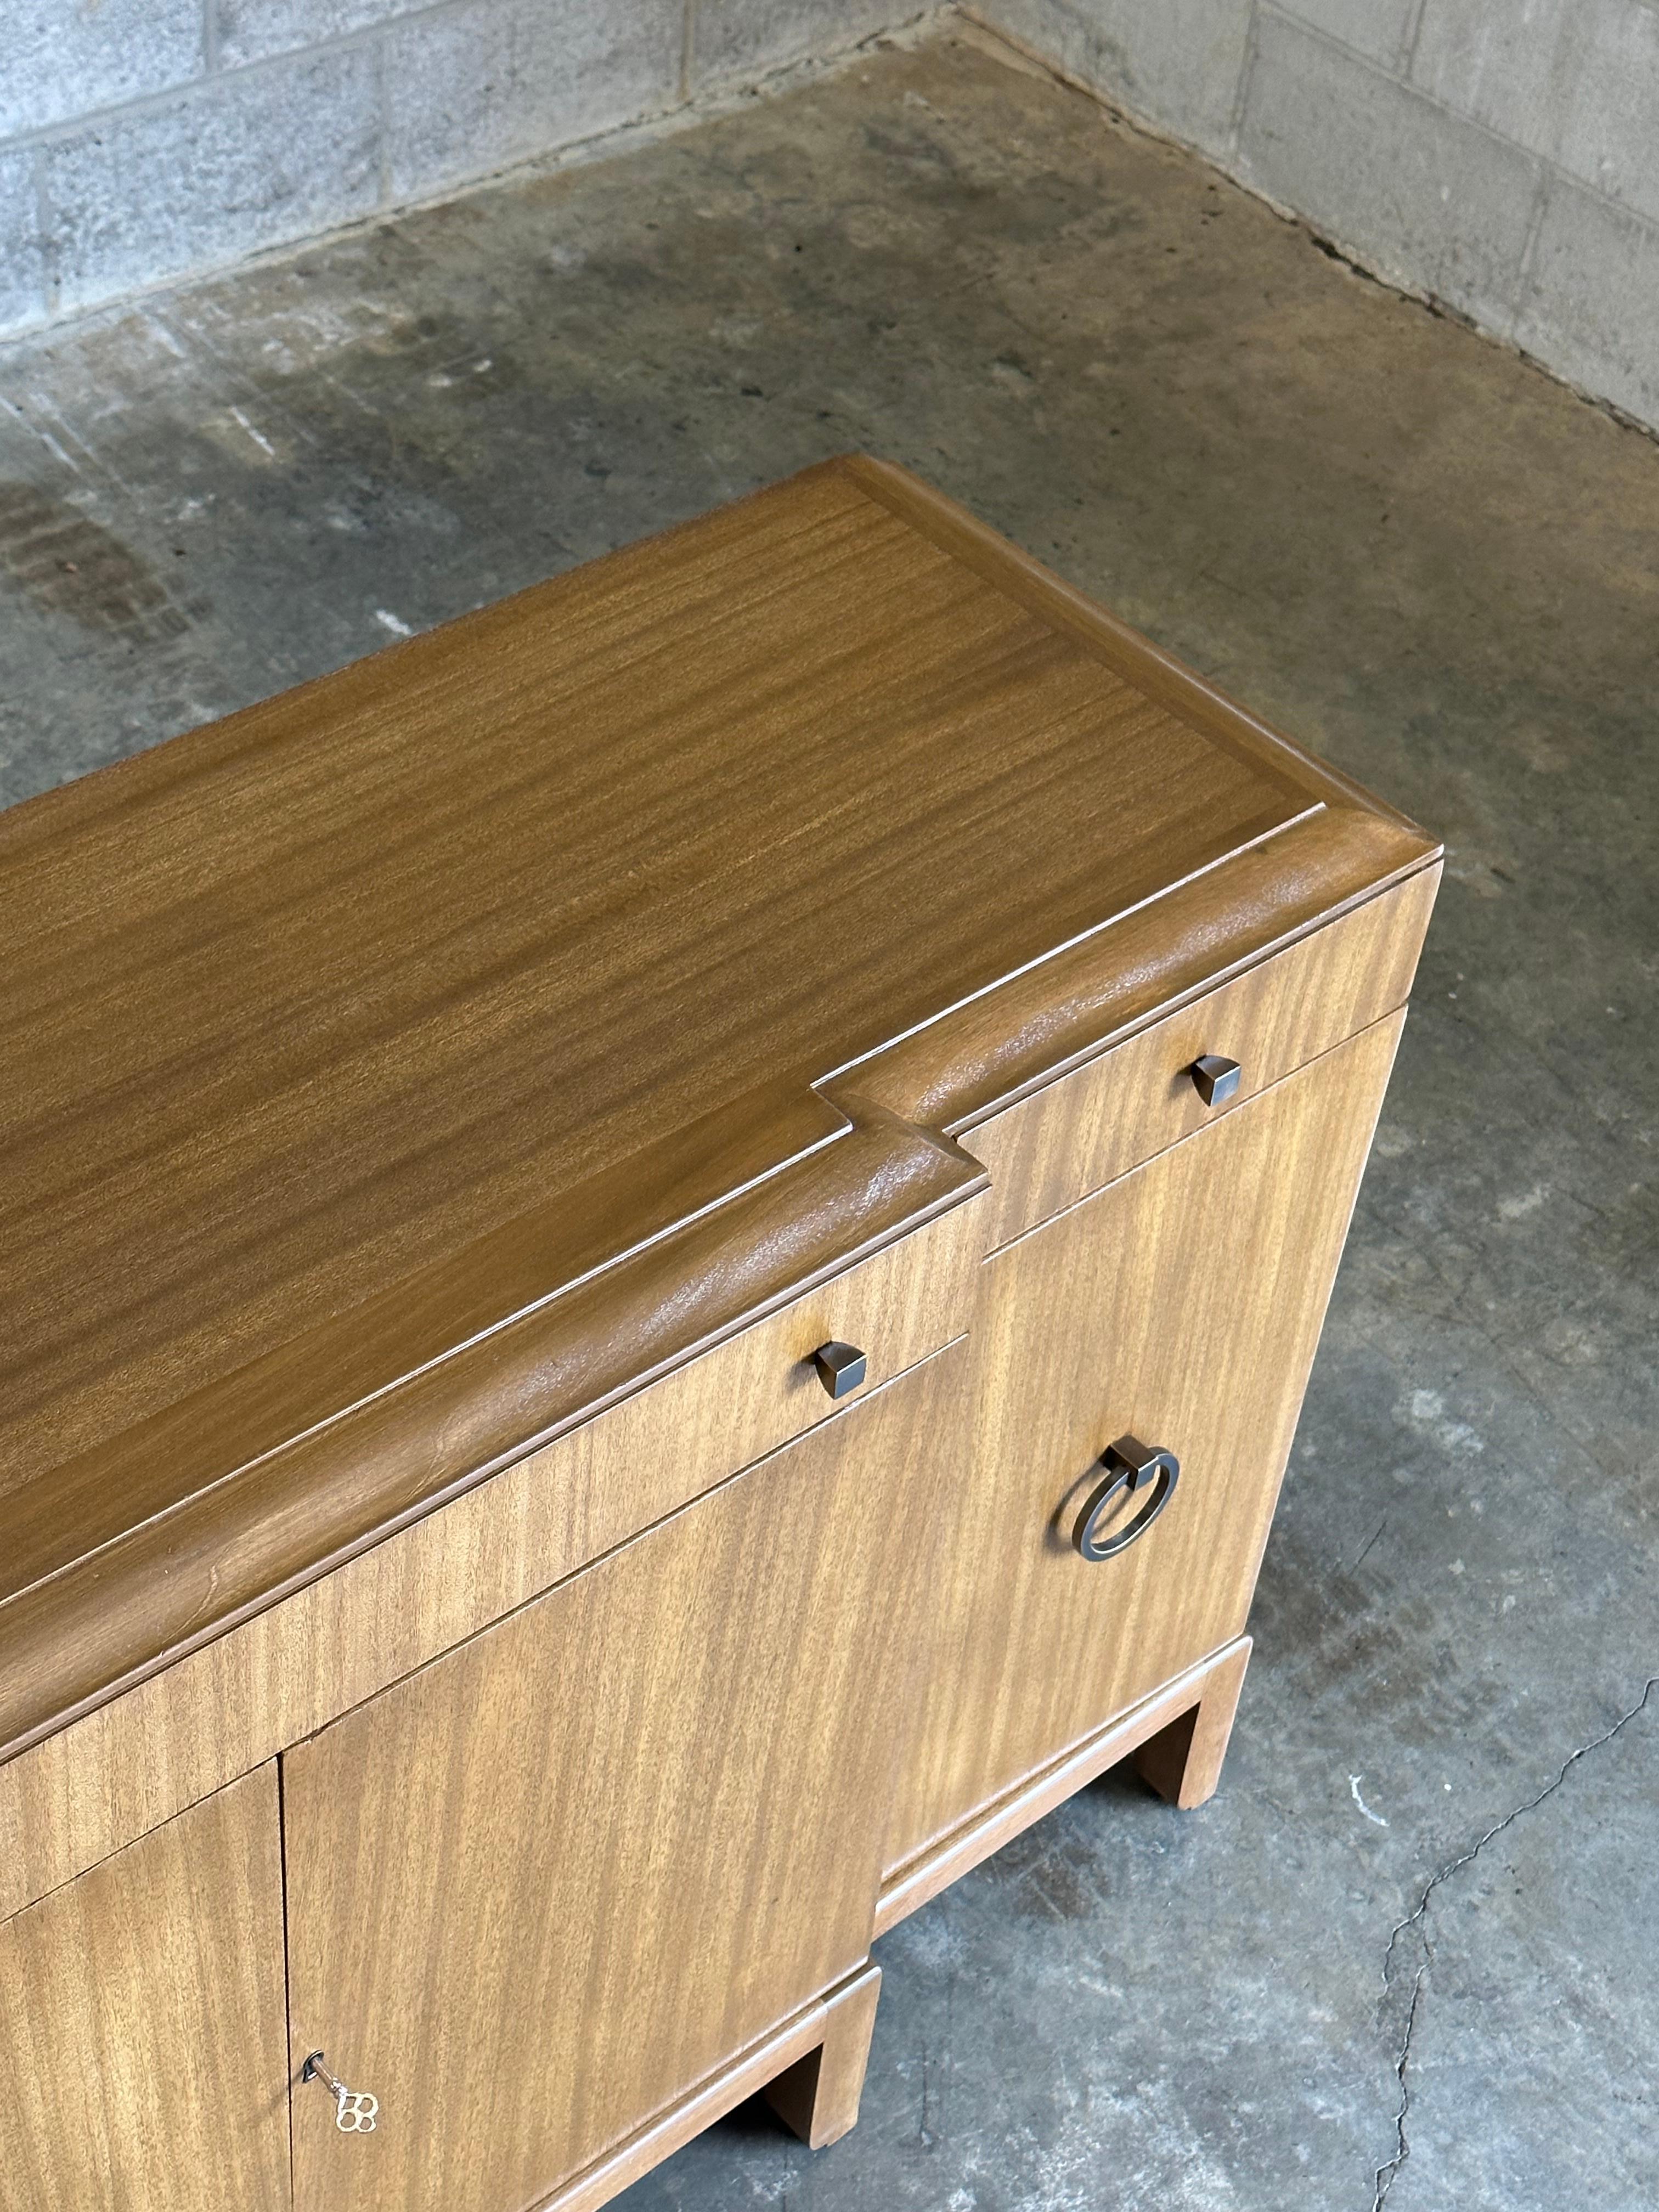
660	1253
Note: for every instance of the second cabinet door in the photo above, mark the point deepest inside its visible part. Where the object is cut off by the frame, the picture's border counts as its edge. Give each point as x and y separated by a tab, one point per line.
1180	1305
140	2023
541	1888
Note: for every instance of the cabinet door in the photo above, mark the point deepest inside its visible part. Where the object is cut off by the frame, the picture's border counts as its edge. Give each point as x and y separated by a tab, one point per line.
540	1889
1182	1306
144	2062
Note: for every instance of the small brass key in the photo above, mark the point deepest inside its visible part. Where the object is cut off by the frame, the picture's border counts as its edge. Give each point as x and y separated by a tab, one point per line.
354	2110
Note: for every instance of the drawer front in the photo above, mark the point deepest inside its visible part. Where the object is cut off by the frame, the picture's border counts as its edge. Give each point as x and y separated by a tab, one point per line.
758	1389
649	1811
1181	1307
96	1785
1081	1132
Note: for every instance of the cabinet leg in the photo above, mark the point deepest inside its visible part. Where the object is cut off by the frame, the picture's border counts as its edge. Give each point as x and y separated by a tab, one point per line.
1183	1762
818	2097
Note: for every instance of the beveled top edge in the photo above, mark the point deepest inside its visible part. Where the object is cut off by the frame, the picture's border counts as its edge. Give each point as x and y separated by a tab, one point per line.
163	1587
1152	669
984	1056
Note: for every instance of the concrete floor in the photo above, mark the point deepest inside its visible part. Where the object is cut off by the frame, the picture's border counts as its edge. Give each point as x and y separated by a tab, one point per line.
1433	1859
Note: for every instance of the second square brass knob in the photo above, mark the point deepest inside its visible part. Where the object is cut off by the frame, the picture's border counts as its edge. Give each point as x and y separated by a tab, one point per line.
1215	1079
840	1367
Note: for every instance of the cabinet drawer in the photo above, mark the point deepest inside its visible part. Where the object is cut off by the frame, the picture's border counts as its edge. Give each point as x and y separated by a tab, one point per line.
90	1788
1180	1306
652	1453
1050	1149
758	1388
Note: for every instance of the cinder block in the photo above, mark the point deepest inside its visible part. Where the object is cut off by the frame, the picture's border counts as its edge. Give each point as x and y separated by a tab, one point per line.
733	41
22	268
62	58
1576	81
248	160
251	30
1429	200
1591	311
491	80
1175	64
1377	28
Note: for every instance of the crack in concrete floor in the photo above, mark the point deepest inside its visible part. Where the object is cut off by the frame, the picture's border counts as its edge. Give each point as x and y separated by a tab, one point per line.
1418	1919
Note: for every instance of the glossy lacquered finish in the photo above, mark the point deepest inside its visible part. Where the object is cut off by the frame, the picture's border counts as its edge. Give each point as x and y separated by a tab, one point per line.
662	1251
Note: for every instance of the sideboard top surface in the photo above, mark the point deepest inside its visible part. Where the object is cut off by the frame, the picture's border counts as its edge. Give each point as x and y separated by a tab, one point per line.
343	1030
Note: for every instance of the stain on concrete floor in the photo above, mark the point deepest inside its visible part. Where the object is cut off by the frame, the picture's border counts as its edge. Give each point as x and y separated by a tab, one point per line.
67	563
1432	564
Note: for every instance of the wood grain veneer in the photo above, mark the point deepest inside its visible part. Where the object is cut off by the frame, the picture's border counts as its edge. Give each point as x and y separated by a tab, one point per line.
142	2025
818	2096
775	2058
408	1064
444	1621
664	1787
138	1759
1183	1760
1055	1145
1181	1304
1197	1704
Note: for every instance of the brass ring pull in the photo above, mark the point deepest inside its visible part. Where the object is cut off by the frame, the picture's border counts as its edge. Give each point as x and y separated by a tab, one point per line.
1130	1466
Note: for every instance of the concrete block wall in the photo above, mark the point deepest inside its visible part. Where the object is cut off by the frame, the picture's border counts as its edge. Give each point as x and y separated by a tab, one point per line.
1499	156
145	140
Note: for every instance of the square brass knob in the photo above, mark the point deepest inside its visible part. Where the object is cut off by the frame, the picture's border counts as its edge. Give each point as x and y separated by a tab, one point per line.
841	1368
1215	1079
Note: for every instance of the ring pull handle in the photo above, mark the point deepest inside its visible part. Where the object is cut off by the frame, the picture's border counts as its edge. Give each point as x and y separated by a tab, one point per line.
1131	1467
354	2110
